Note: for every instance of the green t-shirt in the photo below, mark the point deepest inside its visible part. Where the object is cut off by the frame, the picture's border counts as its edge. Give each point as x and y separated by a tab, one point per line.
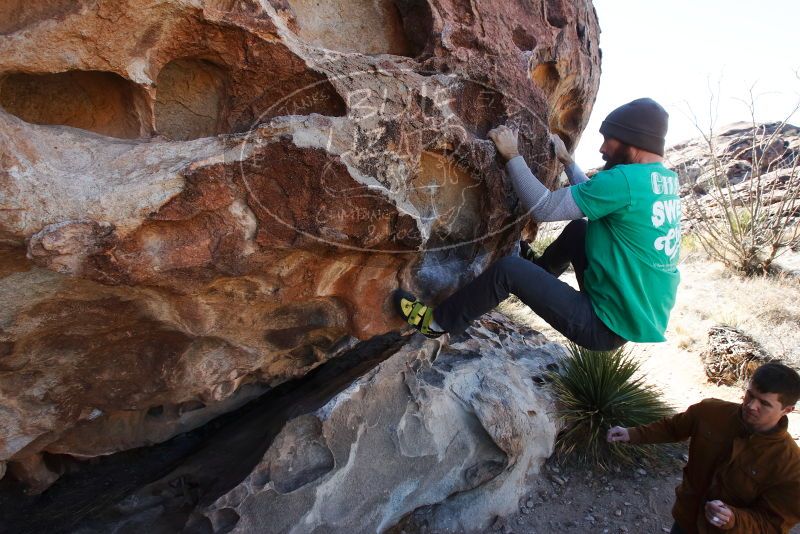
632	247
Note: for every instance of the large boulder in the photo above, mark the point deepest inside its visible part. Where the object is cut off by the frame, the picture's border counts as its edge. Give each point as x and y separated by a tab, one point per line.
459	430
439	436
204	199
727	157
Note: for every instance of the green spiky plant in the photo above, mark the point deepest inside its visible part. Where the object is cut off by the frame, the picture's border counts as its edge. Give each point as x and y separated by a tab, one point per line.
597	390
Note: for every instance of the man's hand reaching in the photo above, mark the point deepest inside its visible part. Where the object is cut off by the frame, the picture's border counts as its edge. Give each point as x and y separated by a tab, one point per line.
505	139
617	433
560	149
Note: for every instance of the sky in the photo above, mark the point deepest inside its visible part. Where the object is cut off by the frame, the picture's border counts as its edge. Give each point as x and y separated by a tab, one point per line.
680	51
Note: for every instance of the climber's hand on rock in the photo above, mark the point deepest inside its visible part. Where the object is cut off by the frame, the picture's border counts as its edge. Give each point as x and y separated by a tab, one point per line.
560	149
617	433
505	139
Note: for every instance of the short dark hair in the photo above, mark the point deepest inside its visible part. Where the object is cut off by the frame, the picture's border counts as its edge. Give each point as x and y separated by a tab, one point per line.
777	378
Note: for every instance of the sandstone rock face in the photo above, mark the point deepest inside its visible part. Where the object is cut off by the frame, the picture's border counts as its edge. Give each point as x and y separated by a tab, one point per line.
201	200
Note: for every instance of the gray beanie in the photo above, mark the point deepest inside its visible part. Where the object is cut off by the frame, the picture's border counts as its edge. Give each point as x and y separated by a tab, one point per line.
641	123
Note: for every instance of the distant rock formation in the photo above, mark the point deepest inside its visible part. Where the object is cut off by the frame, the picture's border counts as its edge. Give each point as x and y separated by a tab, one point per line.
202	200
774	146
741	194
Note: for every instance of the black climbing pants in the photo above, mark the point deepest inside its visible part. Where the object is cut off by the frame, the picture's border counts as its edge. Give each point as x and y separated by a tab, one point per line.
537	285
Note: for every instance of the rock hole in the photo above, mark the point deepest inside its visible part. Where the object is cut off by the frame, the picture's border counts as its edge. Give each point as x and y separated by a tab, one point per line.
464	38
303	356
190	406
101	102
556	13
522	39
13	256
570	119
260	477
417	23
6	348
546	77
564	135
198	524
483	472
224	520
155	411
580	30
190	96
568	114
364	26
315	97
538	380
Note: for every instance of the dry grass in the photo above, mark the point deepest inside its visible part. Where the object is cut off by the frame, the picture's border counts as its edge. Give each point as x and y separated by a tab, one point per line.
767	308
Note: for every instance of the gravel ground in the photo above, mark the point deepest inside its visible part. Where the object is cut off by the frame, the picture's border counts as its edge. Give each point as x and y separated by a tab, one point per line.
574	499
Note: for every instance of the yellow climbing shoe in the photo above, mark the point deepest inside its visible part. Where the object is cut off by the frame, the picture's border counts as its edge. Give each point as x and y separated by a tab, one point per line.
415	313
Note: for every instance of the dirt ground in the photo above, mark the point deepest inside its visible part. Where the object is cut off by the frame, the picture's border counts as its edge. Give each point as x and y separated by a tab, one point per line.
638	500
571	499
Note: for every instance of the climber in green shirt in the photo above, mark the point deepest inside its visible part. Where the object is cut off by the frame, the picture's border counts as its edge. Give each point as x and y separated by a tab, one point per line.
625	256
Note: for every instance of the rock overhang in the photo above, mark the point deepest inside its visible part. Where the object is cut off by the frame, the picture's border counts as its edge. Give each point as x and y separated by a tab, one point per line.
253	186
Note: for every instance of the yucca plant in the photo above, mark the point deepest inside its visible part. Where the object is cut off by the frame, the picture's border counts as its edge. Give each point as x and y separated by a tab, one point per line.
597	390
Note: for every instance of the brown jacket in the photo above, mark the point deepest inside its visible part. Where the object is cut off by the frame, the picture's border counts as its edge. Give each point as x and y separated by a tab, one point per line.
756	475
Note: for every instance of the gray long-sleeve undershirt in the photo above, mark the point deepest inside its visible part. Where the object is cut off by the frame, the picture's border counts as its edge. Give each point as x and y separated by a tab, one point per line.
575	174
545	205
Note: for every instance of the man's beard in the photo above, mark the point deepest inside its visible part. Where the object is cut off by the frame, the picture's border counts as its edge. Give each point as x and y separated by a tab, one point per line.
622	156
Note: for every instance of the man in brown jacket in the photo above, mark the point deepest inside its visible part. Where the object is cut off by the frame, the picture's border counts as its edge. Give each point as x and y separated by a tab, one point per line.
743	474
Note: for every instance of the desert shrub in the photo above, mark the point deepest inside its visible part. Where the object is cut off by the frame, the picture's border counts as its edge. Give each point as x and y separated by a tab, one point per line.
732	356
595	391
747	225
